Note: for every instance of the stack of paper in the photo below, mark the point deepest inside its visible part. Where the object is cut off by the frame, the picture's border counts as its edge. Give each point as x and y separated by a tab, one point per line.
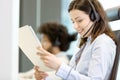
28	42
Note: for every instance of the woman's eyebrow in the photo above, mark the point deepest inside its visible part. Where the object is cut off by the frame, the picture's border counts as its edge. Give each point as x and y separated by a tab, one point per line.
75	18
78	17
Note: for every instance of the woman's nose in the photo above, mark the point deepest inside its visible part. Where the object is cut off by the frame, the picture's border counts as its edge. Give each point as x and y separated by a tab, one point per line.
75	25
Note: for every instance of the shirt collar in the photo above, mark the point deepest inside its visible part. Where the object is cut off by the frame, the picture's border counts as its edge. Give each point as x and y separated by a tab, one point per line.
89	39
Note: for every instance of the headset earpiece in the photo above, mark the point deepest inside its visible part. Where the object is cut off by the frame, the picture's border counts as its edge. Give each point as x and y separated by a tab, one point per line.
57	42
94	16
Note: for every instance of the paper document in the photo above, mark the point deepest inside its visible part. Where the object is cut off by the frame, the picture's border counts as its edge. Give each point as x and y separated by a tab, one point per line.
28	42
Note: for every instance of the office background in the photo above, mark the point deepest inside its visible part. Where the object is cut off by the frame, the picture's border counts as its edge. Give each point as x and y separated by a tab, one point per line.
32	12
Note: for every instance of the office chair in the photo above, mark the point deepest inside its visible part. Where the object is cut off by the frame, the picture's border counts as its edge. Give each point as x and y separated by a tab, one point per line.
116	62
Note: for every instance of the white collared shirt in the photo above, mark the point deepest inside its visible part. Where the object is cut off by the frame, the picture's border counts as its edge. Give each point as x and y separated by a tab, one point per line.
95	63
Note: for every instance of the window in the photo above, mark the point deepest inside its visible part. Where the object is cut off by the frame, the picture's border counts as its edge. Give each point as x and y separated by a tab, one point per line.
65	16
67	22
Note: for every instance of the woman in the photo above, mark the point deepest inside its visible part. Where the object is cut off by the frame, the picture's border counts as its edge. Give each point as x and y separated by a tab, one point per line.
94	60
55	39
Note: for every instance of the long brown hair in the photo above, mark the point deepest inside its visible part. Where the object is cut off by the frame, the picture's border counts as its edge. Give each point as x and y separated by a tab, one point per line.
101	26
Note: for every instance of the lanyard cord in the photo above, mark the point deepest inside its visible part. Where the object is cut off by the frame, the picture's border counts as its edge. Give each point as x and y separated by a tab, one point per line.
77	57
79	53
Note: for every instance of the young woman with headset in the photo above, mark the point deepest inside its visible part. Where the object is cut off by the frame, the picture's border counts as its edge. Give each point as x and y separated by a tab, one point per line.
94	60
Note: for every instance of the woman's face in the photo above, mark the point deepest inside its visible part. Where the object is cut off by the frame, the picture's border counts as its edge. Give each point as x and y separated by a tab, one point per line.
46	44
81	22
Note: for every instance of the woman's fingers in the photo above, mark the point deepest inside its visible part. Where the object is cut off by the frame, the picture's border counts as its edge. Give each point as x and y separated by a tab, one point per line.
39	75
42	51
36	68
49	59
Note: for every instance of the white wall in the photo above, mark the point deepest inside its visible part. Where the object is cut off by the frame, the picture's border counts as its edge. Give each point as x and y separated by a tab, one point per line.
9	22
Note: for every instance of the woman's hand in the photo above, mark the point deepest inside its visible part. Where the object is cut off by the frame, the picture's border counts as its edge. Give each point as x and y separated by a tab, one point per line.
39	75
49	59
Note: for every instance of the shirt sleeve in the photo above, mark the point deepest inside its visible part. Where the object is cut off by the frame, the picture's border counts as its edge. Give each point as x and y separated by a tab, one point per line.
100	64
68	73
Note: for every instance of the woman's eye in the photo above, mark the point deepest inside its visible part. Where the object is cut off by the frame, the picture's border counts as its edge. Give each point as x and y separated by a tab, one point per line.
79	21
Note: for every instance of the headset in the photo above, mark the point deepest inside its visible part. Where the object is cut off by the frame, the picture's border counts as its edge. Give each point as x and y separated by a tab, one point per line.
56	38
57	42
94	16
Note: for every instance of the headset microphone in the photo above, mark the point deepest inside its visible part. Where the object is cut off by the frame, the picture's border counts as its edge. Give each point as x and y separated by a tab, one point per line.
88	30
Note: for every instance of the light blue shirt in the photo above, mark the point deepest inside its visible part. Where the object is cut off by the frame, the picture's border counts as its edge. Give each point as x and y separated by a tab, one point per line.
95	63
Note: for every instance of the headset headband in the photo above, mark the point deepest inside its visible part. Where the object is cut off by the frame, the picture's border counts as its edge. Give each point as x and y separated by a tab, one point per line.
95	13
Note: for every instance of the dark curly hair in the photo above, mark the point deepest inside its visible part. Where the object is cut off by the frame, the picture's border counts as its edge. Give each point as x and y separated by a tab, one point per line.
57	34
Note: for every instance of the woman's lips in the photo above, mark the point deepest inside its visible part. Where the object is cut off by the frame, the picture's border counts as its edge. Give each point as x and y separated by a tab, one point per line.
80	31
